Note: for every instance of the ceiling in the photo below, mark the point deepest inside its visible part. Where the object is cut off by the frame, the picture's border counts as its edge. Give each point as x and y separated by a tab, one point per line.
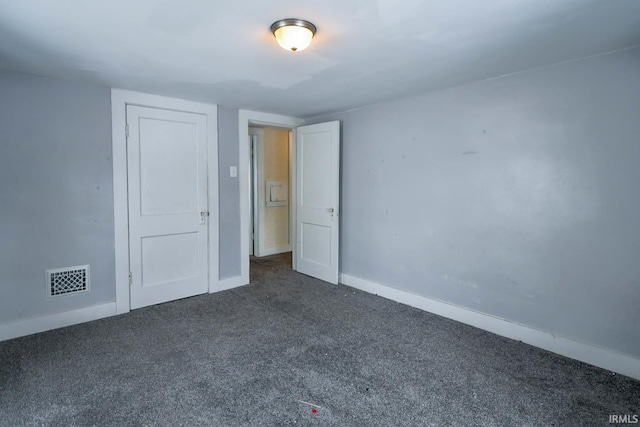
365	51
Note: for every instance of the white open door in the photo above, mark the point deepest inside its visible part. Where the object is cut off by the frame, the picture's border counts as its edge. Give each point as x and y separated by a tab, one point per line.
318	195
167	184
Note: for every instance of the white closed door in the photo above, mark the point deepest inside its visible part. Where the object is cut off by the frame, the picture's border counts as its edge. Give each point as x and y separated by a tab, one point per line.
318	196
168	218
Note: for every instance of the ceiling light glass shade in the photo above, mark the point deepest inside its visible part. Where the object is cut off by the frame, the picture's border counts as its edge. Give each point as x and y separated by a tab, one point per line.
293	34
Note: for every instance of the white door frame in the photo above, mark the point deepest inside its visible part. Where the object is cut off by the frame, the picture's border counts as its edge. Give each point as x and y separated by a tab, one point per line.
247	118
253	194
119	101
256	189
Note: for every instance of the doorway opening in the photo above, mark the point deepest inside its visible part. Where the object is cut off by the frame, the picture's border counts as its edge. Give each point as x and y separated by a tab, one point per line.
270	178
314	193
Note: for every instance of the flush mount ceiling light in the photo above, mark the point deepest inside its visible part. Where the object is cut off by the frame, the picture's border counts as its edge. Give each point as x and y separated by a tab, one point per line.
293	34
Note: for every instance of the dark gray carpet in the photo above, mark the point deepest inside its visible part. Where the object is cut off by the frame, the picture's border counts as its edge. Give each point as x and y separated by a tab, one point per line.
244	357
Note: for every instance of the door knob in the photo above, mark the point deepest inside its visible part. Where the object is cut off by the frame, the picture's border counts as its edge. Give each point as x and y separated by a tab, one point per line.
203	216
330	210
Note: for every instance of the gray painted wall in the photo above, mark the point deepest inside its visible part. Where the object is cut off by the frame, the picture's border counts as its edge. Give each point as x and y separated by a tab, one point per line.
516	196
56	192
228	155
57	195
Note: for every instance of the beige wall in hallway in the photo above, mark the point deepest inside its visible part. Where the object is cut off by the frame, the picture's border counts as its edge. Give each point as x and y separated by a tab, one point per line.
276	168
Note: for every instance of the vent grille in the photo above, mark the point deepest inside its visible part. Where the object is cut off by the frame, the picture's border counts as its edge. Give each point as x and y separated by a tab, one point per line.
65	281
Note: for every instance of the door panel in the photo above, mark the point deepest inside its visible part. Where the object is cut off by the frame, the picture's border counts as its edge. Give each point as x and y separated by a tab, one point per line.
316	158
168	230
317	239
318	188
171	258
168	178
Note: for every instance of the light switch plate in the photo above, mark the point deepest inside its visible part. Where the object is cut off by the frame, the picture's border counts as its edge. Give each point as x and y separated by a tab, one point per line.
233	171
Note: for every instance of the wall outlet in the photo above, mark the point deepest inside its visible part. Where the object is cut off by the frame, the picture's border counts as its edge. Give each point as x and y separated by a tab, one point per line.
233	171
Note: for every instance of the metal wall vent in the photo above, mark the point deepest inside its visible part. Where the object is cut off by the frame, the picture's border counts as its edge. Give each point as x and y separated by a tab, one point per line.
65	281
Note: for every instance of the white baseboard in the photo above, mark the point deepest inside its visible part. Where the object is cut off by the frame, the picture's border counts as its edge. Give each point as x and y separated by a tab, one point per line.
597	356
276	250
34	325
230	283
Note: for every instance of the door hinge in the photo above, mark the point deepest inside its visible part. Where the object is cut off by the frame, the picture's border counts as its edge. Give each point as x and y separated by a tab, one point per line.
126	130
253	236
130	278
